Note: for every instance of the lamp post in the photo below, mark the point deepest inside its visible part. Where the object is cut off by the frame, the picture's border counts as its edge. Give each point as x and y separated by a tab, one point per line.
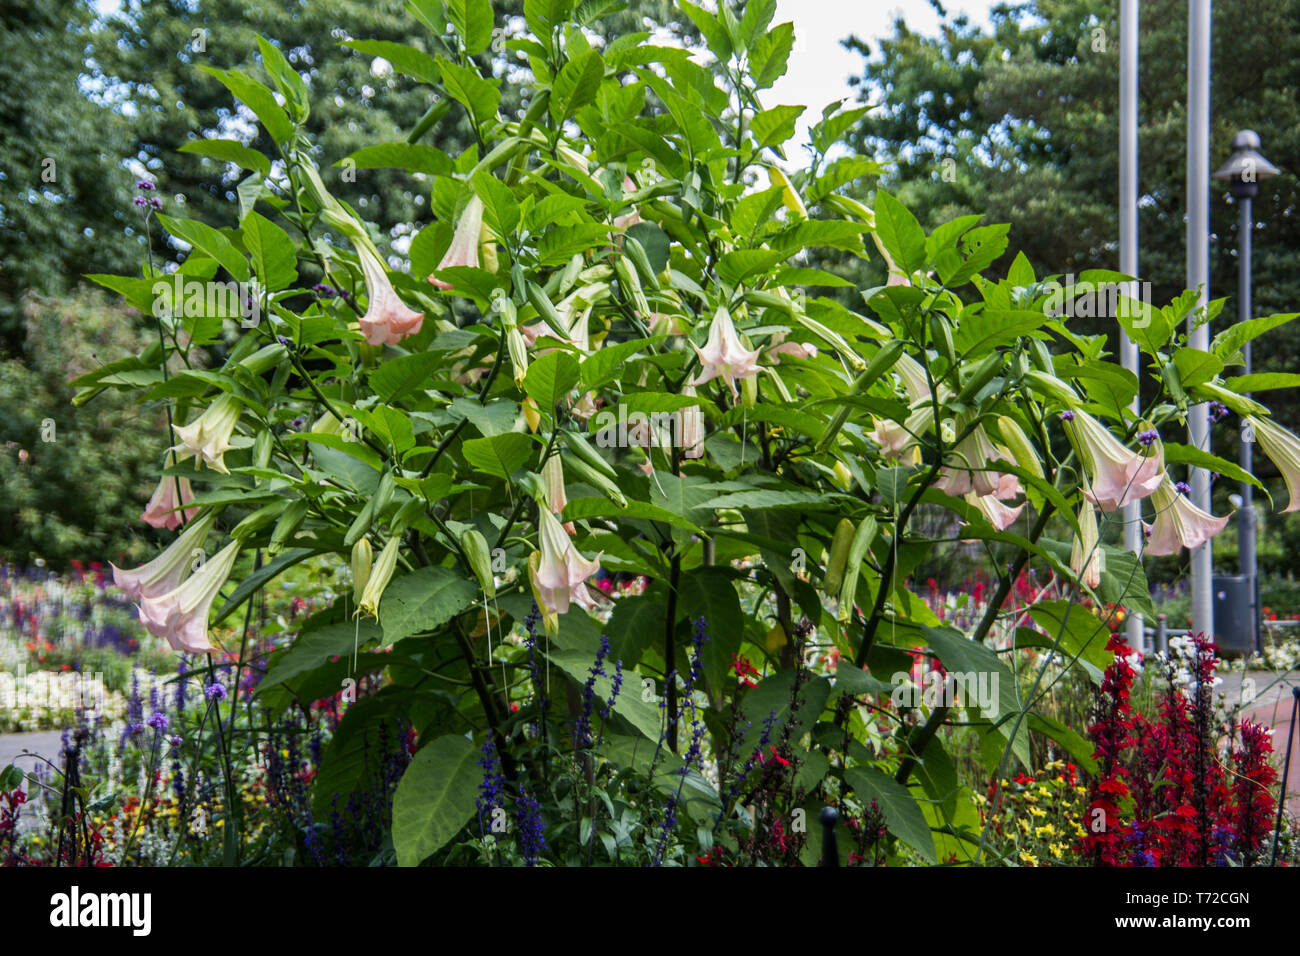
1243	171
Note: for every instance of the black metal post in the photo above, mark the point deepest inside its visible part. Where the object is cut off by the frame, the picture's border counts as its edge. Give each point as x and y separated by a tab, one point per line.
830	851
1286	772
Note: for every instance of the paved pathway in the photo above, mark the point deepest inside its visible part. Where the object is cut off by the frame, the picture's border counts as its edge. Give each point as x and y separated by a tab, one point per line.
1270	704
47	743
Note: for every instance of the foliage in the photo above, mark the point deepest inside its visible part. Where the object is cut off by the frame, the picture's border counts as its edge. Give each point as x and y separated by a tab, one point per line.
599	454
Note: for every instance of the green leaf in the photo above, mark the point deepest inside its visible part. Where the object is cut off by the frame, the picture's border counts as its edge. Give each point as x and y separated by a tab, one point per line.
468	88
405	59
576	85
769	55
435	798
1195	366
899	232
413	157
611	361
775	126
398	376
1081	633
760	499
1074	744
708	592
274	257
577	663
498	455
637	623
473	22
286	78
902	813
735	267
773	695
11	778
856	682
711	28
1124	582
230	151
348	764
315	646
257	98
550	379
423	600
1262	382
209	241
655	242
1179	454
495	418
1230	340
960	654
598	506
754	22
500	210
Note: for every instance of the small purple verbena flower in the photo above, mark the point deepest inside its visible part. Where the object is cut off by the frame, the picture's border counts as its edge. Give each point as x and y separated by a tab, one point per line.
144	185
286	342
175	740
1183	488
214	691
1067	416
140	201
324	291
1218	411
1148	437
155	202
158	721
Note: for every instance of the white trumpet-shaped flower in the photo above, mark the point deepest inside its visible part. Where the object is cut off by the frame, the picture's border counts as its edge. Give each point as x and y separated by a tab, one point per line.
165	572
1179	523
207	438
1117	475
181	616
1283	449
723	356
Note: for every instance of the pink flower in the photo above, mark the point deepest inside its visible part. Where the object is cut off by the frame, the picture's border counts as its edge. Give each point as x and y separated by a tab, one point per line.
723	356
165	572
690	427
181	616
387	320
1179	523
463	250
967	469
627	220
781	347
559	572
995	512
1117	474
161	511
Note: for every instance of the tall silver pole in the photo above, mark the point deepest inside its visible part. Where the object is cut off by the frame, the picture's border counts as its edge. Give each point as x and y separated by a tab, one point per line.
1128	241
1198	277
1248	562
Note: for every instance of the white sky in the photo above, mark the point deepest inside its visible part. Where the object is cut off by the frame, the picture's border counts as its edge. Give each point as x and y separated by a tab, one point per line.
819	66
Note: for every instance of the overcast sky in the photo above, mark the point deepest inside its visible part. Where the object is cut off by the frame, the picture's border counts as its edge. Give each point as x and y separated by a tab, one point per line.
819	66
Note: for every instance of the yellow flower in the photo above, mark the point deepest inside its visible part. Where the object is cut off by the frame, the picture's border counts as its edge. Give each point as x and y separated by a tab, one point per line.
1045	830
1043	791
1023	824
1057	849
1027	857
1038	811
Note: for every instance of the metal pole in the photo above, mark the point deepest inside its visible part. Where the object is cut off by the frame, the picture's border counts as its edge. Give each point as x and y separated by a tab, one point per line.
1198	278
1128	243
1246	529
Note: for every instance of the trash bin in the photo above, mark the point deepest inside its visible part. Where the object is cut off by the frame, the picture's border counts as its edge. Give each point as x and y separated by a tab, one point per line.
1234	613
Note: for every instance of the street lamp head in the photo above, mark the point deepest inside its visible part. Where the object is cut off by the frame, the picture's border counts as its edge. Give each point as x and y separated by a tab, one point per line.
1246	166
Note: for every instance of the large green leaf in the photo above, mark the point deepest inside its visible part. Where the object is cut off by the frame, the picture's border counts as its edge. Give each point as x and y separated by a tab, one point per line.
405	59
499	455
902	813
577	84
316	646
413	157
467	87
899	232
960	654
641	714
423	600
230	151
774	695
435	798
274	257
708	592
769	55
550	379
473	21
208	241
257	98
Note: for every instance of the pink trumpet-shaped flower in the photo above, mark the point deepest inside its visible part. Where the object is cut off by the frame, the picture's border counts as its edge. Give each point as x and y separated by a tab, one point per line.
161	512
1179	523
387	320
779	346
1283	449
1000	515
967	468
181	616
723	356
1118	475
628	219
561	570
463	250
207	438
165	572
